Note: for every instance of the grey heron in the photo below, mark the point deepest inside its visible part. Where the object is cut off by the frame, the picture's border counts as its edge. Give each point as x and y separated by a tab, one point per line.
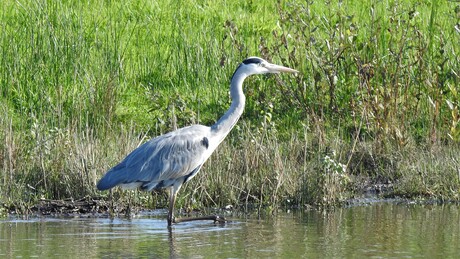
170	160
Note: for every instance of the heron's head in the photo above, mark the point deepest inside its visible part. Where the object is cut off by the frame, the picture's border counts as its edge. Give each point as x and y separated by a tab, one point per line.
255	65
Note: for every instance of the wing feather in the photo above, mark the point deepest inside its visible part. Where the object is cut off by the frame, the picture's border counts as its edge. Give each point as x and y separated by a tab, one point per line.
164	158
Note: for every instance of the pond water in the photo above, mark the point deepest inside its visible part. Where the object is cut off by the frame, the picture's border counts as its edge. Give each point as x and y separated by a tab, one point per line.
378	230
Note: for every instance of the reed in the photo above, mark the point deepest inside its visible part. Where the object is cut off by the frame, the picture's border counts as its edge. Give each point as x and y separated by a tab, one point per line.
83	83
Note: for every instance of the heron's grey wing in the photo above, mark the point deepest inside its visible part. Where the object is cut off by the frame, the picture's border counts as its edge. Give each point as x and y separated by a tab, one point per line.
162	161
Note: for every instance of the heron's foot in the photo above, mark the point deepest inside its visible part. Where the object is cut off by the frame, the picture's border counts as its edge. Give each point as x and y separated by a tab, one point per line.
215	218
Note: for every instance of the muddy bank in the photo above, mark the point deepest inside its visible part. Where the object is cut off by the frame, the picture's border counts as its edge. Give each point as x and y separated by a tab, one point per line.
103	206
66	207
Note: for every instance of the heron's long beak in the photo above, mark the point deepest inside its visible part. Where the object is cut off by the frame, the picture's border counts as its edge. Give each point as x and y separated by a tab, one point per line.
277	69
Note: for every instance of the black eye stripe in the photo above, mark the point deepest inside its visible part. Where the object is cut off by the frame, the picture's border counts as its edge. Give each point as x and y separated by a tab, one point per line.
252	61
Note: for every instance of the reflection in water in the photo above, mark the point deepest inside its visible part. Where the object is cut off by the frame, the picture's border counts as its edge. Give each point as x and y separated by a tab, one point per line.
172	246
378	230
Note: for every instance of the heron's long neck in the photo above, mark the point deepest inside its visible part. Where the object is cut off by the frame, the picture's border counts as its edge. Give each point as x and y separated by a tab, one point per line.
223	126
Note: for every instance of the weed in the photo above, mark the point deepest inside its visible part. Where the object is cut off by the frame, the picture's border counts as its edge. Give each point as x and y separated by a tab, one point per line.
84	83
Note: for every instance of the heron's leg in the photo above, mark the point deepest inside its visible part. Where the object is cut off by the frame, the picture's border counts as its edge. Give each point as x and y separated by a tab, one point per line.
215	218
172	200
172	219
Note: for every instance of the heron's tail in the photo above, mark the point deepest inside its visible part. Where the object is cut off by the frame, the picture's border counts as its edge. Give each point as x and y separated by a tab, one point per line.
106	183
112	178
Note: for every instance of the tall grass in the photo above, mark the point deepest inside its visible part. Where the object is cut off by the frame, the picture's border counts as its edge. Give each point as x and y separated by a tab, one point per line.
84	83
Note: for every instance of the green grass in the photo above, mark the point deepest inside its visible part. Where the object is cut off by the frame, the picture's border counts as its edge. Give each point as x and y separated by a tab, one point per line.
83	83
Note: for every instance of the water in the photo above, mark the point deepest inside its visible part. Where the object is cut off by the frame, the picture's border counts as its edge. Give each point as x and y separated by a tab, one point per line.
379	230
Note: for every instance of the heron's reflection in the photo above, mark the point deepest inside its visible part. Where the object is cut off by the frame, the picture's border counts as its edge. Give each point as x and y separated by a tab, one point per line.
172	244
183	231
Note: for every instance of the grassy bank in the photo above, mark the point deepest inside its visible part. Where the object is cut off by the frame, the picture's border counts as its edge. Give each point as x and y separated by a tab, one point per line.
83	83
